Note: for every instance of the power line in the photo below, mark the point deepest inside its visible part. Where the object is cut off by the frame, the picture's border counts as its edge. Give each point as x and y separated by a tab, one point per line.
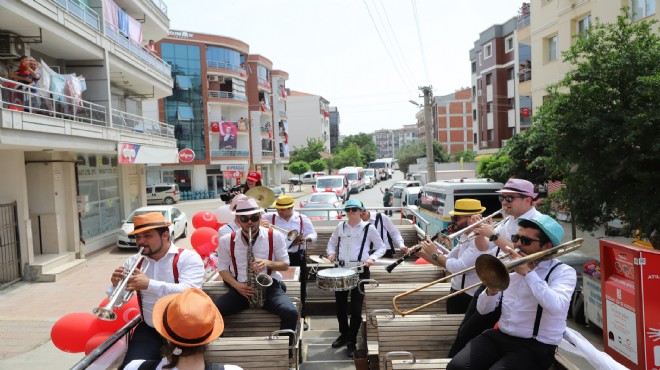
398	51
419	37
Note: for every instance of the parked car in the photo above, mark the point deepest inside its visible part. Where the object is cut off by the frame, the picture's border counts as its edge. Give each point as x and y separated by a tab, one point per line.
172	214
278	190
316	215
306	178
369	181
397	190
410	199
163	194
337	184
325	198
373	174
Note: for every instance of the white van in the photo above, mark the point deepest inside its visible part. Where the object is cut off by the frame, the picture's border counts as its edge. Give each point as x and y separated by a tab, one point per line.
337	184
410	200
437	199
355	177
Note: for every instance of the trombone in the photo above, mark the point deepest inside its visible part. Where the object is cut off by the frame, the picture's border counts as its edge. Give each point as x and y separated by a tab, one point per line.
291	235
448	240
491	271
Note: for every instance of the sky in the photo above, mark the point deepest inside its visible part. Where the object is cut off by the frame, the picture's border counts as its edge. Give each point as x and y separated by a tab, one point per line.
366	57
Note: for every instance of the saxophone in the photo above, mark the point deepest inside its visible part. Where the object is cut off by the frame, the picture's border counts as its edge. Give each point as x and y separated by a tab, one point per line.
257	282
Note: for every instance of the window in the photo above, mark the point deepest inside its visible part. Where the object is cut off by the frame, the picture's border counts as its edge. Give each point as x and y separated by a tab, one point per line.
642	9
183	82
552	48
581	26
508	44
184	113
512	103
489	78
489	107
488	50
474	114
491	135
509	74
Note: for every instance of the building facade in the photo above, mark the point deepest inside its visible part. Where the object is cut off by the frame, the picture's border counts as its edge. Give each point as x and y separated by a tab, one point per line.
309	117
453	119
388	142
335	121
75	143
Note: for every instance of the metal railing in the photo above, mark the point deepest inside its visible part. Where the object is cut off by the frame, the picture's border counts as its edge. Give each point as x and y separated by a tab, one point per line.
131	122
19	97
525	75
160	4
225	65
118	37
226	95
230	153
81	11
266	153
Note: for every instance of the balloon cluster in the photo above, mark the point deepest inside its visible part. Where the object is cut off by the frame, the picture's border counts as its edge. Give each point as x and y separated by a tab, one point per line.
83	331
205	237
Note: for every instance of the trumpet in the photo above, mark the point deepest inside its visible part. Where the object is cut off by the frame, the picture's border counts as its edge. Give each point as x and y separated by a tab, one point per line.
116	299
416	249
491	271
448	240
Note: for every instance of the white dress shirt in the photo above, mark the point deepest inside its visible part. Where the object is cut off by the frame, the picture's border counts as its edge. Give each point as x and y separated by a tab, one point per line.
294	224
386	227
161	277
461	257
351	242
260	249
509	226
227	229
521	299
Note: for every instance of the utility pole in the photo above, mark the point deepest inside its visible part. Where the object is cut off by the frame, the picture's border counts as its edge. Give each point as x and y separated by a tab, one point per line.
428	132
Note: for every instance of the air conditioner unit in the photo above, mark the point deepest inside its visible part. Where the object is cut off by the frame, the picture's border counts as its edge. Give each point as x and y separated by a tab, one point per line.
11	47
213	78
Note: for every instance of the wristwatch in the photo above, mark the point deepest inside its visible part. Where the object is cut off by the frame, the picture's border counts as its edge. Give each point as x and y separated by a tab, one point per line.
434	256
494	237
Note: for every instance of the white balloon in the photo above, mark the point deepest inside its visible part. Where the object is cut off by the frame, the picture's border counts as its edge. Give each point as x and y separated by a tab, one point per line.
224	214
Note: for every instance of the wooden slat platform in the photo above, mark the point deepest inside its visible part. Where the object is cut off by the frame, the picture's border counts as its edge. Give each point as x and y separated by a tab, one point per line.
435	364
407	273
250	352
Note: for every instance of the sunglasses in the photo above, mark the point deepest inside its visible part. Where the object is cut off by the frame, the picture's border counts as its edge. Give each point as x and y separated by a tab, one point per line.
348	210
253	218
508	198
523	240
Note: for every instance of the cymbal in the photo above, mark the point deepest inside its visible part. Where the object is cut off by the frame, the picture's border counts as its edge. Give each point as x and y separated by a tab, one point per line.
263	195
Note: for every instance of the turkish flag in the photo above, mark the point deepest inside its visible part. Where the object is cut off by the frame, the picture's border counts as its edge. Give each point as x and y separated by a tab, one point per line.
524	112
215	126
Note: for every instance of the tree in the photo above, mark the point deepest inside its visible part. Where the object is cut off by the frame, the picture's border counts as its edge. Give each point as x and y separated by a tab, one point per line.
363	141
329	164
309	153
408	154
318	165
349	156
467	155
603	119
298	168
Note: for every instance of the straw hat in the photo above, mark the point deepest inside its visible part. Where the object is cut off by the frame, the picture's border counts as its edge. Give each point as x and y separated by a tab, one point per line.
188	319
284	201
148	221
467	207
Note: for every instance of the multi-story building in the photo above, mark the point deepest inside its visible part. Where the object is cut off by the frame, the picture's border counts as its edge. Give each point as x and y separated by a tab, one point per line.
335	121
74	146
388	142
281	137
222	110
309	117
453	119
494	62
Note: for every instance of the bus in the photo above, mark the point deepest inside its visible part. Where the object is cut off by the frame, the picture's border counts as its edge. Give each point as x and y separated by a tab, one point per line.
385	167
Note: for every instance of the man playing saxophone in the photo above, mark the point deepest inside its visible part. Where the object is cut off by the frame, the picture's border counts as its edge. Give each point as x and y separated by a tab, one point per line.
268	251
177	269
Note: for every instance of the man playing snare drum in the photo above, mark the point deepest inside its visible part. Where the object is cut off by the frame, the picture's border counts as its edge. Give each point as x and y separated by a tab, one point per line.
349	246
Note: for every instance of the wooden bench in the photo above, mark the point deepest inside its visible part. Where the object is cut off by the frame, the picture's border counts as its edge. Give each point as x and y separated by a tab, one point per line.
408	273
561	363
250	353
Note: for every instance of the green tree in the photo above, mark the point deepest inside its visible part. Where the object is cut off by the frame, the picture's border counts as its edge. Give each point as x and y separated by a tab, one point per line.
409	153
604	123
329	164
318	165
308	153
363	141
298	168
467	155
349	156
497	167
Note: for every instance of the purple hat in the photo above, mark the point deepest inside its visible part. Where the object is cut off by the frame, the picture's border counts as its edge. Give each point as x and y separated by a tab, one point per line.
519	186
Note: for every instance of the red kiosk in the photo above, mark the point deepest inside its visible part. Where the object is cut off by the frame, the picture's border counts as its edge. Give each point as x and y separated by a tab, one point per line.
630	278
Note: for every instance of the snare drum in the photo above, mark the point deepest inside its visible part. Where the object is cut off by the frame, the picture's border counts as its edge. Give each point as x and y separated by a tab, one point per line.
337	279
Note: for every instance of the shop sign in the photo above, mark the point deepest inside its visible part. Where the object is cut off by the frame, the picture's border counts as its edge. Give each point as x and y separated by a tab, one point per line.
232	174
233	167
186	155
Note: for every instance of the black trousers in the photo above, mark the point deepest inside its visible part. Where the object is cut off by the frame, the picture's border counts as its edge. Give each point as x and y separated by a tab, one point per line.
459	303
341	305
298	259
144	344
473	323
495	350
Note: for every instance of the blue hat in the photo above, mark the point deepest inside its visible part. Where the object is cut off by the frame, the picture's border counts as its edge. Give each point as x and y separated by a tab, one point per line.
353	203
549	226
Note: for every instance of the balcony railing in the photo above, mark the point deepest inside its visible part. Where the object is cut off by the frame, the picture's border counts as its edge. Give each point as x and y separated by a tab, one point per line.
525	75
23	98
138	50
283	113
230	153
225	65
131	122
160	4
81	11
266	153
226	95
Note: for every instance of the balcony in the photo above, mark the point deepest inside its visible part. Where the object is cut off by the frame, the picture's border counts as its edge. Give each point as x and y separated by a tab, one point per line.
81	11
226	66
114	34
230	153
161	6
213	94
267	153
130	122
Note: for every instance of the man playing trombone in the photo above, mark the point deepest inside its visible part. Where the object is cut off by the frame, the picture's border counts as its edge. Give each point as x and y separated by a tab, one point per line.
466	212
534	306
177	269
287	219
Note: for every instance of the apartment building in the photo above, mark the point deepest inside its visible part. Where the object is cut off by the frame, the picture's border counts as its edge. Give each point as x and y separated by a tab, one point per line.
335	121
388	142
493	60
452	115
309	117
76	136
222	111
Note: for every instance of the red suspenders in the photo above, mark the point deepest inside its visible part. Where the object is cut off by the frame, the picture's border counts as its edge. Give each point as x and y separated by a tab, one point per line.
232	244
175	272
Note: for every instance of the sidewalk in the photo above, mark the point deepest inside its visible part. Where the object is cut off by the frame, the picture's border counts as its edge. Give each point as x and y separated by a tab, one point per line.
28	310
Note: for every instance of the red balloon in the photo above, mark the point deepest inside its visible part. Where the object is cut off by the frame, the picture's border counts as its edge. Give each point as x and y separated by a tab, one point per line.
204	240
125	314
71	332
421	261
204	219
219	225
96	341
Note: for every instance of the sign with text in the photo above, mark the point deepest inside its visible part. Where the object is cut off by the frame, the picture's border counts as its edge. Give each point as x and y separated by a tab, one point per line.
186	155
128	153
233	167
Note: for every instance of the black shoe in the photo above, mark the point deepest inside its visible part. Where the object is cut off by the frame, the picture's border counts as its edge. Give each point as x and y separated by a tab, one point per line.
350	347
339	342
305	326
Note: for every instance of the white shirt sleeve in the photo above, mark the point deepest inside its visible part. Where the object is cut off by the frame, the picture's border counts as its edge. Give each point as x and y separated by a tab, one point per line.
280	253
308	229
224	257
332	247
397	239
555	295
379	246
487	304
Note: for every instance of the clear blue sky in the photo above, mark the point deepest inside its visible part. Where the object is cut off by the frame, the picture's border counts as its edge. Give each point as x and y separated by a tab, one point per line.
331	47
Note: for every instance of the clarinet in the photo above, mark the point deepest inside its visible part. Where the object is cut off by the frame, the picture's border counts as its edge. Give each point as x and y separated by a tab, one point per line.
414	250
